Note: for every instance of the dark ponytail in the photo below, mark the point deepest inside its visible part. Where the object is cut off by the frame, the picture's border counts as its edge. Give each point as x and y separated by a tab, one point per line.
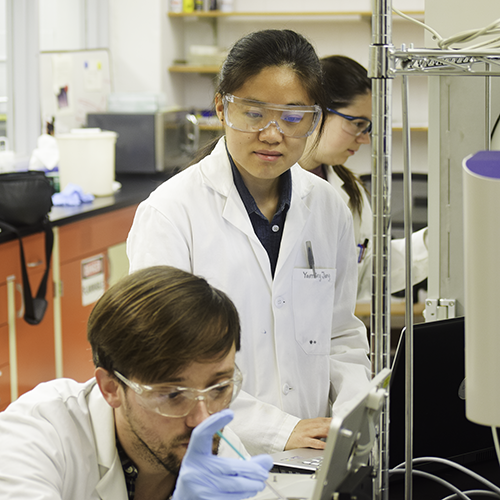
344	80
352	186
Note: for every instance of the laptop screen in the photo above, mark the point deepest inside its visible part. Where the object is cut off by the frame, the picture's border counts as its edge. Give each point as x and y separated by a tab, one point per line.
440	428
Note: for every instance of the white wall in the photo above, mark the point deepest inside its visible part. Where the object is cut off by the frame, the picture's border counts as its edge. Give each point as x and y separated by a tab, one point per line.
3	57
137	44
61	25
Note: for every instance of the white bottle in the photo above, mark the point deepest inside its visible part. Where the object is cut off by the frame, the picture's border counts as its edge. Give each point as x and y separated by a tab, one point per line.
225	5
176	6
7	158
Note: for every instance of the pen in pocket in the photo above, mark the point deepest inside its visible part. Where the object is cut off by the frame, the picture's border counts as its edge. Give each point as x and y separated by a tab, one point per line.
310	257
362	250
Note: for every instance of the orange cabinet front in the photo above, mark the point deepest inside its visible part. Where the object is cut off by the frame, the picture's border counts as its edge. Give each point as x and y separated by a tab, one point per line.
35	343
36	357
80	242
4	367
77	357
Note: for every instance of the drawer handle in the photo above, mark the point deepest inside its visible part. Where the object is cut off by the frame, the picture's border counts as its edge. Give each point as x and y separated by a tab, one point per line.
34	264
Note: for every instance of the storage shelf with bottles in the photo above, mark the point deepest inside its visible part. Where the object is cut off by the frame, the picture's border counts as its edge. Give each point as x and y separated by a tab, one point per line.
312	16
413	128
338	14
212	128
190	68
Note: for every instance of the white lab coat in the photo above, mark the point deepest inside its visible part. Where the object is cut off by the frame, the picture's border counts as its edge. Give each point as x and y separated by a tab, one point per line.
301	343
58	442
363	230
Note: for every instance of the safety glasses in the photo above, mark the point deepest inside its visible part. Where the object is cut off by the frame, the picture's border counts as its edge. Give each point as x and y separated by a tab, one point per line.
247	115
354	125
176	402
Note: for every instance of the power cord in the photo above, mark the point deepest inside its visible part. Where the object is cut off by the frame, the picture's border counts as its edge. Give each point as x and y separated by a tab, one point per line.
457	493
473	492
432	477
462	37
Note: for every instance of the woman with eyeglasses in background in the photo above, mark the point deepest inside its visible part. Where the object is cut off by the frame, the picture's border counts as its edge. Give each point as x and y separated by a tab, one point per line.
347	127
252	222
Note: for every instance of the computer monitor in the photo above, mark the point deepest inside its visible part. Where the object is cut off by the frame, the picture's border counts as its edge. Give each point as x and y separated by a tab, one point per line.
440	427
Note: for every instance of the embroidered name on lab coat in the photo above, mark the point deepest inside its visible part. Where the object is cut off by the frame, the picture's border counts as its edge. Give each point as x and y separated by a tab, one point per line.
320	275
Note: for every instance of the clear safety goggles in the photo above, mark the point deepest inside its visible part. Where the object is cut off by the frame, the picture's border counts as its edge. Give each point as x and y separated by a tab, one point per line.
354	125
247	115
176	402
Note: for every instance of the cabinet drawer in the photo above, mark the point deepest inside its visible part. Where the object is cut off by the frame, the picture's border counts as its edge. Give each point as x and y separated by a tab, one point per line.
95	234
10	259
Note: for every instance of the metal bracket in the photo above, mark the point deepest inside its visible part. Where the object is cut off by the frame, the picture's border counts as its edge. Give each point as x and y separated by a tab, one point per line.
441	62
380	64
436	309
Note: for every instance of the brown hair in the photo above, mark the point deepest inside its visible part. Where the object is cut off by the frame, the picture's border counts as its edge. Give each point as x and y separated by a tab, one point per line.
156	321
345	79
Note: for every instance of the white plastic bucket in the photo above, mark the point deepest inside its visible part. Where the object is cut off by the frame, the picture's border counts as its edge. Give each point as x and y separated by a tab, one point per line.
87	159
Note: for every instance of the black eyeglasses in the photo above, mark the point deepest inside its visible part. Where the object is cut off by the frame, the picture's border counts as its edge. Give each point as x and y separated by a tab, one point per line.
354	125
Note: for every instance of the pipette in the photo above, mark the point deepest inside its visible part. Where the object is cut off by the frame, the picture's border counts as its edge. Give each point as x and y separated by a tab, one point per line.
276	492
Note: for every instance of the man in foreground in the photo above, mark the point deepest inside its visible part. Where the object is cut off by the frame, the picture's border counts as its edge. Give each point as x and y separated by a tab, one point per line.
163	343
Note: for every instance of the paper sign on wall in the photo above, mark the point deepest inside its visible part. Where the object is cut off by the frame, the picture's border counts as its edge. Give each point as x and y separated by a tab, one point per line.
93	279
92	75
62	82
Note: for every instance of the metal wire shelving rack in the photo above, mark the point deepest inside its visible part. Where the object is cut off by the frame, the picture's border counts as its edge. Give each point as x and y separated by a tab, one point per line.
387	62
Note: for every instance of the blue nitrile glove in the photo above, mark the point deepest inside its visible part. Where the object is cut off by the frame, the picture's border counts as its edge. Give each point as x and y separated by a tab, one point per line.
204	476
72	195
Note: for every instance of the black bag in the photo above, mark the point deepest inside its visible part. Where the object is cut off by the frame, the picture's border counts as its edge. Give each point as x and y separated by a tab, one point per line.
25	202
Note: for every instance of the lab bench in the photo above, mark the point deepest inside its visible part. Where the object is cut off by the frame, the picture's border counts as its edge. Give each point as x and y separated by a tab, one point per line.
88	256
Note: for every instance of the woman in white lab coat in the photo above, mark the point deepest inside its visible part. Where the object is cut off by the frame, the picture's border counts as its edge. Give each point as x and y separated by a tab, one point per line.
256	225
347	128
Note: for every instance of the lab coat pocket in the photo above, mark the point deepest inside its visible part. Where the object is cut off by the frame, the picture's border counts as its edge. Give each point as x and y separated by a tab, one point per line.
313	298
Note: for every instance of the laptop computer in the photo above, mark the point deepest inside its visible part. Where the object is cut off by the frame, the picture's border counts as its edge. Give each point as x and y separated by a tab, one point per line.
351	437
440	427
297	461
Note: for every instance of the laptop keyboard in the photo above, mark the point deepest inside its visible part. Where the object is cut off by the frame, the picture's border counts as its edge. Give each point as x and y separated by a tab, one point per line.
298	465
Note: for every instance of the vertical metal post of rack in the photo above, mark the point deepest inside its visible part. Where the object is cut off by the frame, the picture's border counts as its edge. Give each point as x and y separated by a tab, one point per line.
384	64
408	226
381	195
487	104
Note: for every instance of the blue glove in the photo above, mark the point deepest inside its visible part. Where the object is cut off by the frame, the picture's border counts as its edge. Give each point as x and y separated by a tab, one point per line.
204	476
72	195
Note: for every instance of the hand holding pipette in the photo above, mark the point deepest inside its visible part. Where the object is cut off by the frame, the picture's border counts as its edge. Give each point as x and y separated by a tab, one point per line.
205	476
276	492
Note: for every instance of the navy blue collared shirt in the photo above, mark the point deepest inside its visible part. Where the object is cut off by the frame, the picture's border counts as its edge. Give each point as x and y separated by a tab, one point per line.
129	470
269	233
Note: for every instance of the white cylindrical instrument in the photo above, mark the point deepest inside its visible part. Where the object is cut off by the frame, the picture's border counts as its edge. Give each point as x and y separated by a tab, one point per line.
481	185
